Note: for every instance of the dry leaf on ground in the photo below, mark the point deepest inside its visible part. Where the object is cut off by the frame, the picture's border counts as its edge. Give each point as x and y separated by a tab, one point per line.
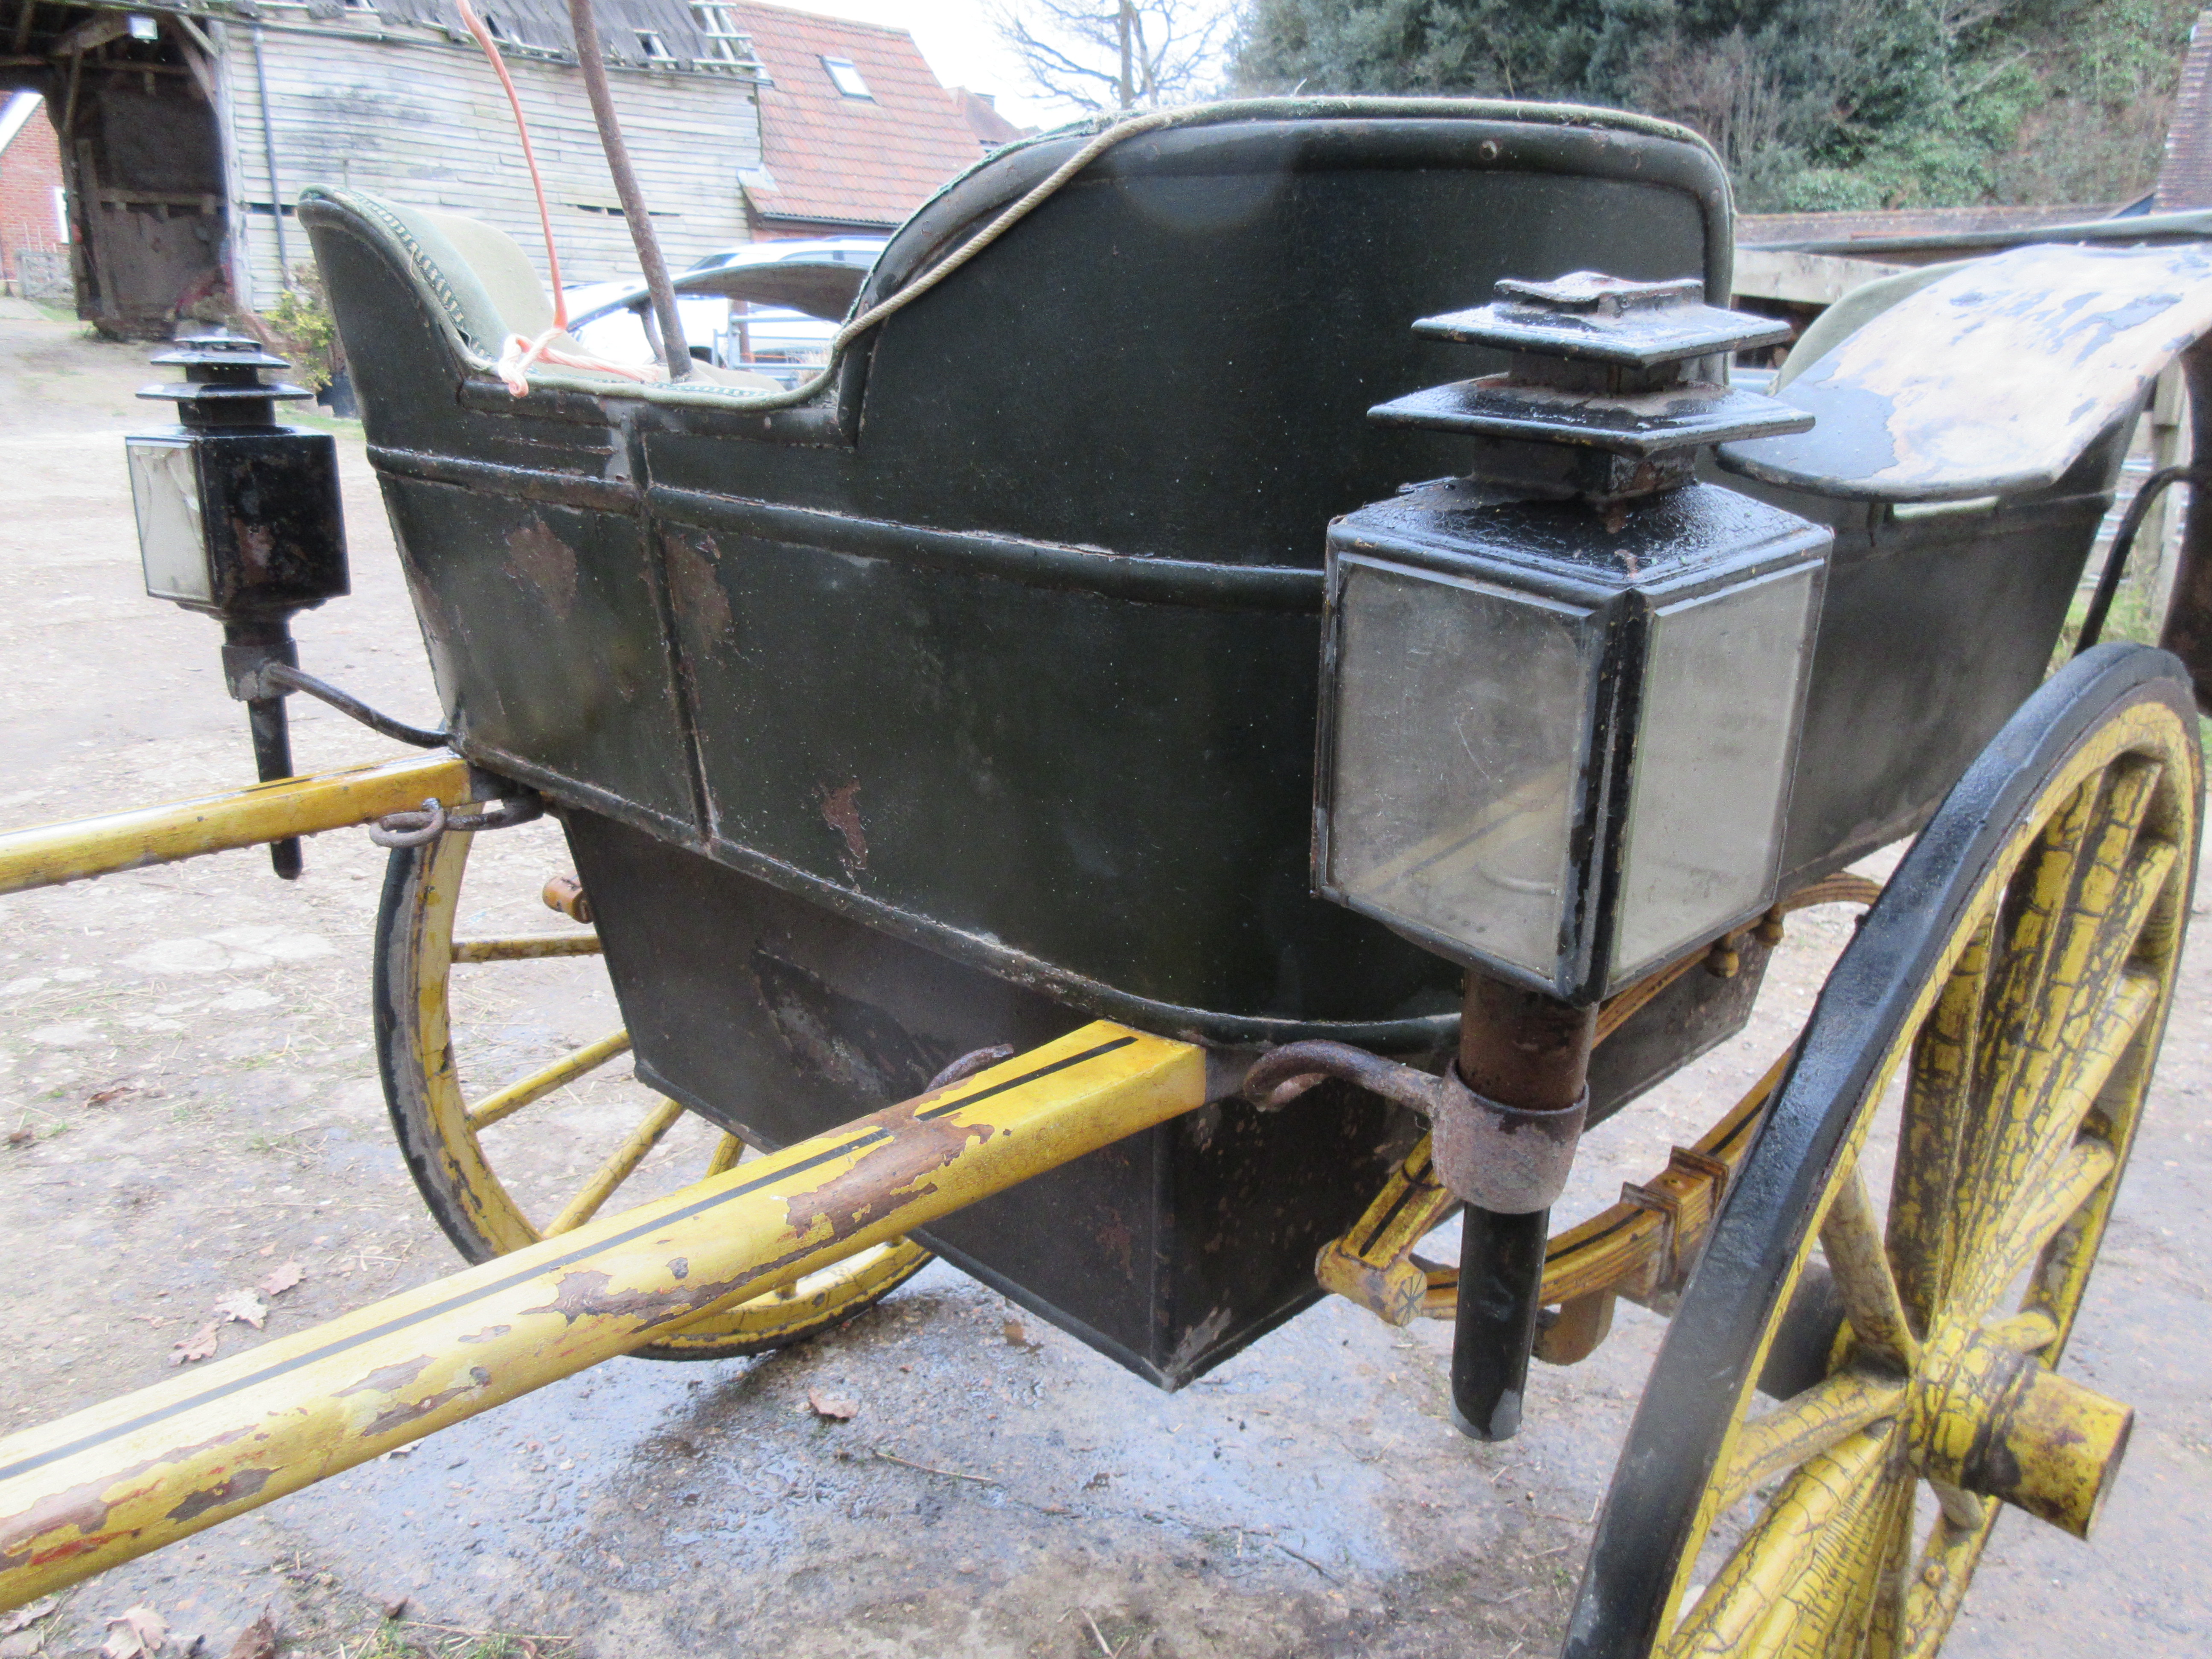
10	1623
137	1635
200	1345
281	1278
22	1137
1018	1334
831	1408
243	1306
24	1645
256	1641
113	1091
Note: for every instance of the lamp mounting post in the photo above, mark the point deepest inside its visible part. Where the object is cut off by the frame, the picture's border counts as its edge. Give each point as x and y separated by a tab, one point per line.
239	518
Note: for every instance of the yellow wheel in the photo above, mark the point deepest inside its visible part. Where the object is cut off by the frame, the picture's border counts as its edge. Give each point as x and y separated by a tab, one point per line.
450	1143
1980	1055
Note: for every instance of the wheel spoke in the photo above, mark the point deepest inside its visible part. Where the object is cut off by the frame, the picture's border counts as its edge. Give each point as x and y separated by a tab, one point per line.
1795	1550
566	1070
526	946
1850	1237
2050	1023
2052	1127
1893	1578
1947	1567
617	1169
1938	1097
728	1151
1804	1427
1831	1613
2036	1215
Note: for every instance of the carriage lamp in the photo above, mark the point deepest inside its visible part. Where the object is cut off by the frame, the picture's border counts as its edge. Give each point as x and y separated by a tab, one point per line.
239	518
1561	693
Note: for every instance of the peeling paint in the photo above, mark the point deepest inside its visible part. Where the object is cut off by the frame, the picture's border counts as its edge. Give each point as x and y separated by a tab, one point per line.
885	1178
1994	378
545	563
701	606
245	1484
400	1416
841	811
388	1379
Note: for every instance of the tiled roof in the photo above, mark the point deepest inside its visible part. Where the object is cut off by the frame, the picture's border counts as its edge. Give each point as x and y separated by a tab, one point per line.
831	159
991	129
2184	177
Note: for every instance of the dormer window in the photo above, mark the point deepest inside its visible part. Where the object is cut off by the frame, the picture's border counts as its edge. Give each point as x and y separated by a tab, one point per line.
724	38
655	50
847	77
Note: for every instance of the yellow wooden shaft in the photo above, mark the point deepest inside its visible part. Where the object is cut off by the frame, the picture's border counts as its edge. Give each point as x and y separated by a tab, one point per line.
126	1477
57	853
539	1084
617	1169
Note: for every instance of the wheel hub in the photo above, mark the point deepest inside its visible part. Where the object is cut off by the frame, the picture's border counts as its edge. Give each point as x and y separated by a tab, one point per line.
1986	1416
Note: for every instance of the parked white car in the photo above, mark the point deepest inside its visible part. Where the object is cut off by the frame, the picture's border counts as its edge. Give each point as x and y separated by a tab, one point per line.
780	341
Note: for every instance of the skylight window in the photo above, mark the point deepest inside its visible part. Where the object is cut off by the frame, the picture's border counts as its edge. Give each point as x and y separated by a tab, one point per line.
847	77
724	38
655	50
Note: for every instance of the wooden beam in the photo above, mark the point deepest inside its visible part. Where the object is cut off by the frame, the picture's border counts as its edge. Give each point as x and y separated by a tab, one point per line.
92	32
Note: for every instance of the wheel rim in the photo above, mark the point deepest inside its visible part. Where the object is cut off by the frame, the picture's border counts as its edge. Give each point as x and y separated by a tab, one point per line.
443	1134
2024	1050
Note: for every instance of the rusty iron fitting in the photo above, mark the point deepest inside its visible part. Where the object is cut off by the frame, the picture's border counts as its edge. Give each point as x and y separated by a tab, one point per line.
1505	1159
1281	1075
975	1060
399	829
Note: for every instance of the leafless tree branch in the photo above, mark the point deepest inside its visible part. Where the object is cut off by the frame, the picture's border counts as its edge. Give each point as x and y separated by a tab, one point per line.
1116	54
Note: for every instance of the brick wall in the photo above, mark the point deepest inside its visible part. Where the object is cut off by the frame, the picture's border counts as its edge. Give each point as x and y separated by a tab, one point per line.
30	173
2184	179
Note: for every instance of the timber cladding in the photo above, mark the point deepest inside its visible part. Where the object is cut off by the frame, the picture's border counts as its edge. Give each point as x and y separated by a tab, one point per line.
424	122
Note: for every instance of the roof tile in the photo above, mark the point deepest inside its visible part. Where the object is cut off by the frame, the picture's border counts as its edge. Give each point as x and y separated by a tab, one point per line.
834	160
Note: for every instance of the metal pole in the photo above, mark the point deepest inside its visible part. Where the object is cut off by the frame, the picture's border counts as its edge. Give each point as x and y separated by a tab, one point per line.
269	155
1524	1049
122	1479
103	846
592	58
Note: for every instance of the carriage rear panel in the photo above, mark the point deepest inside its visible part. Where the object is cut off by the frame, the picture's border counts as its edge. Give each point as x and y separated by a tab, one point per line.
977	696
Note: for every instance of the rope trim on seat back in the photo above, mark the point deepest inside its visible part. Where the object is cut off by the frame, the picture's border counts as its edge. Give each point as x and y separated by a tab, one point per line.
1114	132
431	273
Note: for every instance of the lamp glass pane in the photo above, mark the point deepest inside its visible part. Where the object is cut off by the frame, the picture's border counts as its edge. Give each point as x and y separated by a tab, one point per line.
171	543
1460	713
1713	763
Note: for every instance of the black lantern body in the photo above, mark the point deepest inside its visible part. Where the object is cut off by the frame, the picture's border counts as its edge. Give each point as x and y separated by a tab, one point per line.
1562	694
238	516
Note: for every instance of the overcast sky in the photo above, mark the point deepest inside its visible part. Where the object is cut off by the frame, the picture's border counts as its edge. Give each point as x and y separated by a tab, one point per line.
956	36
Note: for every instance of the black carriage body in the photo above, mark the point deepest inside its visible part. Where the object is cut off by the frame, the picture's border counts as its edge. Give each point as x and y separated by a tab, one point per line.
976	698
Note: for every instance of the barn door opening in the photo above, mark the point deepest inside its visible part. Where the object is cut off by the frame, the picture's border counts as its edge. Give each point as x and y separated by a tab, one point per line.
132	96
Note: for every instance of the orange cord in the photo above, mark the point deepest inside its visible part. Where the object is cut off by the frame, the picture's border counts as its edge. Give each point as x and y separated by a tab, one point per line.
530	158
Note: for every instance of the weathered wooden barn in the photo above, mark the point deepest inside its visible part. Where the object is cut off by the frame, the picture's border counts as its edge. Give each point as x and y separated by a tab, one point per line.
187	129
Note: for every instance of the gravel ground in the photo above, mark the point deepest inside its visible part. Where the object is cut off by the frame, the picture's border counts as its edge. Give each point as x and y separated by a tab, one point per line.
189	1047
